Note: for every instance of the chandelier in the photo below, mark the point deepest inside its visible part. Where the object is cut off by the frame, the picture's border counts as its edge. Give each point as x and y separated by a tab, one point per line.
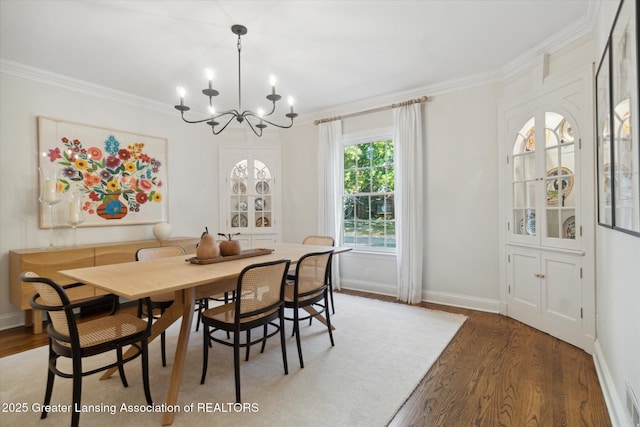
246	116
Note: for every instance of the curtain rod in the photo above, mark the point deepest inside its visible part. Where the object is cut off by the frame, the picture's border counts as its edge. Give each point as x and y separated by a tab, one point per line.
373	110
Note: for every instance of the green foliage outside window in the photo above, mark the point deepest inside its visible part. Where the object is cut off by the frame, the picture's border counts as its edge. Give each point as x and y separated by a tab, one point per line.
368	199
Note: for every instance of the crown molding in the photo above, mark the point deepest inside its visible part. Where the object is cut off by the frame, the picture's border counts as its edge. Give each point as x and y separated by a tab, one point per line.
59	80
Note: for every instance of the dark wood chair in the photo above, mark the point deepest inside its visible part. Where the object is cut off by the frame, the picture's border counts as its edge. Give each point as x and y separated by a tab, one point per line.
159	303
320	241
259	303
310	289
74	340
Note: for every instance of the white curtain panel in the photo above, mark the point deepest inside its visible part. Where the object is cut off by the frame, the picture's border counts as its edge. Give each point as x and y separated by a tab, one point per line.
329	178
407	138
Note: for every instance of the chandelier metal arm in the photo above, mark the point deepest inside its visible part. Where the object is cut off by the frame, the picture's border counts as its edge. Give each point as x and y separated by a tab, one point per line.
213	128
262	119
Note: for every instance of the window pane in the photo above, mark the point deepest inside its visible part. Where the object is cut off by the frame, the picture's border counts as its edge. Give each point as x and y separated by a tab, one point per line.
363	155
363	231
379	153
348	204
349	182
379	179
362	207
364	181
350	157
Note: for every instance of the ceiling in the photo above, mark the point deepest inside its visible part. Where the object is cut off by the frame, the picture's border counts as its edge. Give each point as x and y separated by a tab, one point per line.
323	53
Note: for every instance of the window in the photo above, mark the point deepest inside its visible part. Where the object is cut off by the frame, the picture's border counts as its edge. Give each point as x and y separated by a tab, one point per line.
368	194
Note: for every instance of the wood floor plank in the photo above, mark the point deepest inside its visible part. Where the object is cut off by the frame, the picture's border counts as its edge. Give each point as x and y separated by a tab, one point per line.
495	372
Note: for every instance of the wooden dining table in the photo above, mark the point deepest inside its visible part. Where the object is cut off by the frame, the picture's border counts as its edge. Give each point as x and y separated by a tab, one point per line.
190	281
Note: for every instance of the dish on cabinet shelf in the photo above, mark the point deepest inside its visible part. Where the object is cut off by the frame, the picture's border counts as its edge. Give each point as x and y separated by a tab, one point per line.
262	187
239	188
553	185
569	228
566	132
242	206
239	221
259	204
263	222
528	227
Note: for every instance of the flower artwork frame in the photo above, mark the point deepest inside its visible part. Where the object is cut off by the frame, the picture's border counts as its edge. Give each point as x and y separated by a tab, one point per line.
120	176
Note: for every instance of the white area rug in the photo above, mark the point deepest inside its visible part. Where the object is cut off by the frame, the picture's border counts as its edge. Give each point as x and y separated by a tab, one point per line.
382	351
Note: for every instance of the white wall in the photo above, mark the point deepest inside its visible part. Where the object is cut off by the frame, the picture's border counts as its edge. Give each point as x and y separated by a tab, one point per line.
617	294
192	183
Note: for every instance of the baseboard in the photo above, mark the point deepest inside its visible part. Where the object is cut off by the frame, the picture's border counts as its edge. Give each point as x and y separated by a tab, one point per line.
367	286
617	412
444	298
463	301
12	320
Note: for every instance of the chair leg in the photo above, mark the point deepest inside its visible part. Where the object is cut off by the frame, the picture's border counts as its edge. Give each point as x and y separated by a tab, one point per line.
145	371
264	339
328	319
236	362
205	351
203	304
283	344
296	331
51	376
246	359
77	390
333	307
163	348
121	367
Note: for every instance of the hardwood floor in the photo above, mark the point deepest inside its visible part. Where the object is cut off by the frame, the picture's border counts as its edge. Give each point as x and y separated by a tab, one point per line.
495	372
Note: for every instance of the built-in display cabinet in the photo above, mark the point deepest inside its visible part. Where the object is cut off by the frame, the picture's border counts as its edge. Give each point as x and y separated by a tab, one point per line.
249	193
546	284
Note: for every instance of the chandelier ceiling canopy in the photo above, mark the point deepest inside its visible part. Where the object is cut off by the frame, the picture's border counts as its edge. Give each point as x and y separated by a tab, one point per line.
256	121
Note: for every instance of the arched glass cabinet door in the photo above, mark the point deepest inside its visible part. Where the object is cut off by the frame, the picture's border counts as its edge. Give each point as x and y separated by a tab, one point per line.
250	196
545	181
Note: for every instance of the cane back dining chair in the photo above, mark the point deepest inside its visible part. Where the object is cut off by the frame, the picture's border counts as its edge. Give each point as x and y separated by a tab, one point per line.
71	339
310	288
320	241
159	303
259	302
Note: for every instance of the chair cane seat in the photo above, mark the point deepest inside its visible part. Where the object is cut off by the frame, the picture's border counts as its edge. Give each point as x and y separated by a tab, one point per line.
106	329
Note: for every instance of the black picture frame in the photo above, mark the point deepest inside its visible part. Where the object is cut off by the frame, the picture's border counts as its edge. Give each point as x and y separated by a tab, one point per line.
617	108
603	139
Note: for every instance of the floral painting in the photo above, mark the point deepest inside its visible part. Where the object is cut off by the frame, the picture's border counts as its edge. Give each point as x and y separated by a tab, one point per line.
120	176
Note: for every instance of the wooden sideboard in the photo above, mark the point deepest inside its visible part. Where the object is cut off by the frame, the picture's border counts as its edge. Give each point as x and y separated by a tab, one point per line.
47	263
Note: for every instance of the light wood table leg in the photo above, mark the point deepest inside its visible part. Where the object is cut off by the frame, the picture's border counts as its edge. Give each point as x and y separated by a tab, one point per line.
188	305
35	319
312	311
